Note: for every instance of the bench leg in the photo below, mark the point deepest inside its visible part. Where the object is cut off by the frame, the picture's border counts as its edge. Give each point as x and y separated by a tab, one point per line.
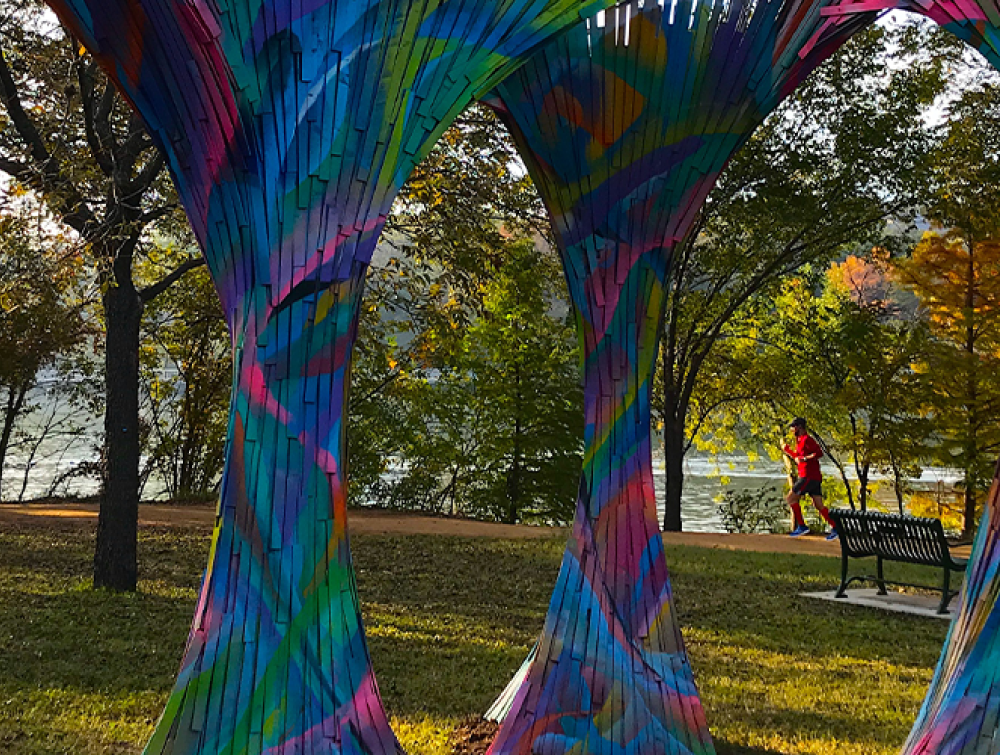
881	578
945	592
842	590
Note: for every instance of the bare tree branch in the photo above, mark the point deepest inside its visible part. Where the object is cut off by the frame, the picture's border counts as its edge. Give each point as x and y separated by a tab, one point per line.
95	117
151	292
44	173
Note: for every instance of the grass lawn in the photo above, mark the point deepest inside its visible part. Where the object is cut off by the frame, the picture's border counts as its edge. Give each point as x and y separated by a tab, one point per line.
449	620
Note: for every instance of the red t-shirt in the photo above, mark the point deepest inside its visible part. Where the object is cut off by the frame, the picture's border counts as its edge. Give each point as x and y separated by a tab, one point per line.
807	446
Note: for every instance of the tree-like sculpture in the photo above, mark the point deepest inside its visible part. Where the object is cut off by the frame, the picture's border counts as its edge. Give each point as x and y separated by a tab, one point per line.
961	713
289	125
625	122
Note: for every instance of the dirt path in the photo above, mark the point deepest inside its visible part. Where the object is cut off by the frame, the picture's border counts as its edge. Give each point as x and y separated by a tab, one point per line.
380	522
203	517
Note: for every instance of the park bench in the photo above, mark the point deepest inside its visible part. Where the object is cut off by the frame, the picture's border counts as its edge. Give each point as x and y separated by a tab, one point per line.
893	537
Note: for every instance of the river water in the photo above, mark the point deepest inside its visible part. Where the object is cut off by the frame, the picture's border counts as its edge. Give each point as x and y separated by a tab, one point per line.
73	440
705	479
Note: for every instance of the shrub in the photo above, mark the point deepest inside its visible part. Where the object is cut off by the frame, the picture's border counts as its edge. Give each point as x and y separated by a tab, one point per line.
747	511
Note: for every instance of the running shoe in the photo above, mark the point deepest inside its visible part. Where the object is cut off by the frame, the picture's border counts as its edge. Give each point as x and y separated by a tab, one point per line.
799	531
832	535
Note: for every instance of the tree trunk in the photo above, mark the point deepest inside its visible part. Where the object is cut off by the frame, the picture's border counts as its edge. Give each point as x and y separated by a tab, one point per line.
969	521
897	486
863	486
512	515
673	452
972	404
115	561
861	470
514	473
847	486
15	403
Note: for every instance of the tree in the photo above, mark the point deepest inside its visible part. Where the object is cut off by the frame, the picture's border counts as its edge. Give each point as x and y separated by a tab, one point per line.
66	135
527	394
835	347
466	378
957	279
389	375
490	422
953	271
464	201
40	316
822	176
849	358
186	366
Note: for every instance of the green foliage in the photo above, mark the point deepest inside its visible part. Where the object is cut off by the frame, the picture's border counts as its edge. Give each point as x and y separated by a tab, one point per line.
886	385
467	198
40	314
481	417
955	278
67	136
850	366
526	398
953	273
752	511
832	347
465	395
386	373
964	183
186	375
41	317
820	178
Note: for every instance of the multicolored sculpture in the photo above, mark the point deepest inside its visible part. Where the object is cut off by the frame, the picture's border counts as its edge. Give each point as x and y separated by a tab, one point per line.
625	122
959	715
289	126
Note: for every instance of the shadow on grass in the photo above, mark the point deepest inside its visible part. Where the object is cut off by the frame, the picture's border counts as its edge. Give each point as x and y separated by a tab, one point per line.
770	614
449	620
65	550
61	634
723	747
426	597
92	641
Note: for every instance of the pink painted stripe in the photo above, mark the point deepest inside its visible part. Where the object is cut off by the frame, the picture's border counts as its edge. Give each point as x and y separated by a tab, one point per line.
865	6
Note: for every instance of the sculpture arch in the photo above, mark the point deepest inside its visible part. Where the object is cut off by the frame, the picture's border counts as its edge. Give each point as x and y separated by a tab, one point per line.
289	125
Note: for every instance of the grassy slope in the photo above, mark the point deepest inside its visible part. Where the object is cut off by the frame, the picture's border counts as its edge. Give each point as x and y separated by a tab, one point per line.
449	620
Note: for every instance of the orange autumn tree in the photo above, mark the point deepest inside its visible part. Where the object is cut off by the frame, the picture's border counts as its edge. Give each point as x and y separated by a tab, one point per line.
956	277
955	273
878	408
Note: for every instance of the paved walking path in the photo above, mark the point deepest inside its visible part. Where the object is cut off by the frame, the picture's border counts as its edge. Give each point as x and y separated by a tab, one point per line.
382	522
368	522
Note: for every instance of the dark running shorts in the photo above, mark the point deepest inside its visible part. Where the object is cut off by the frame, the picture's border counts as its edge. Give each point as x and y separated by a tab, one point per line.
807	487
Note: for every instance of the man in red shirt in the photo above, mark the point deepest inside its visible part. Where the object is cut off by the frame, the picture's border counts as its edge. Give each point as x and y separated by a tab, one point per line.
806	455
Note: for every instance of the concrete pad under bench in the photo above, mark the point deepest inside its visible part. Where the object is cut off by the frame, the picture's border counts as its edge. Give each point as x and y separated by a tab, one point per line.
915	605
